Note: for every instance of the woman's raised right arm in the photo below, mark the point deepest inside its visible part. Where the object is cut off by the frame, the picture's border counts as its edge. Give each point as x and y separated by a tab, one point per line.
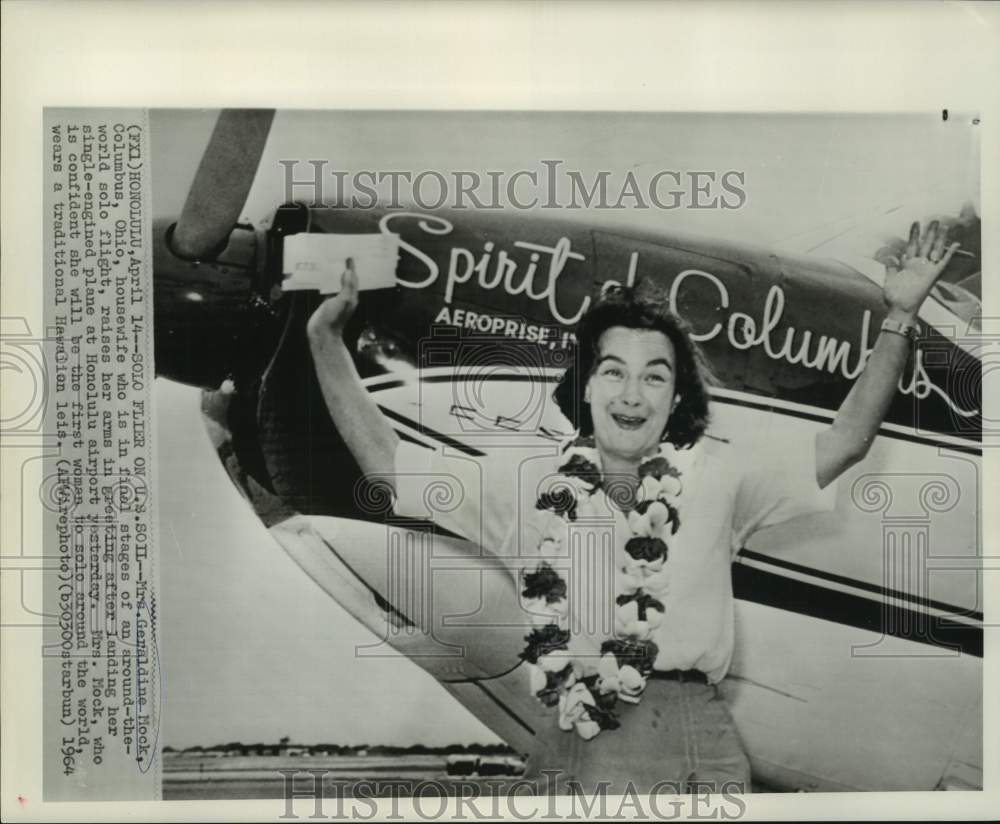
358	419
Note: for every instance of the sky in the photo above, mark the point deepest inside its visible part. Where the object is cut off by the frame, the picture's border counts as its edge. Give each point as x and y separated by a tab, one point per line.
250	648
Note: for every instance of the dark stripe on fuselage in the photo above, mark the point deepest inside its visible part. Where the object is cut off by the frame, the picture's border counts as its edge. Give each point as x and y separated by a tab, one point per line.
405	437
773	590
431	433
957	612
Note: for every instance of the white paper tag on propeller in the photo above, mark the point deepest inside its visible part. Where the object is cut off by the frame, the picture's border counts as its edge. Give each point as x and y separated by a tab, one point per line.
318	261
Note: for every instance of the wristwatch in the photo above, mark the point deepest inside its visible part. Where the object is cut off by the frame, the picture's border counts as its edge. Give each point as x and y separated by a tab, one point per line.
906	328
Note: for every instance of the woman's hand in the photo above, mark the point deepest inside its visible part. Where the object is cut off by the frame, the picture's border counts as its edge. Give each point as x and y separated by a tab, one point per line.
910	276
332	315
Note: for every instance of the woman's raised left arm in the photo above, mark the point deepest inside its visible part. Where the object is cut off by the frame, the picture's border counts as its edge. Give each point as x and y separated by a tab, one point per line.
908	281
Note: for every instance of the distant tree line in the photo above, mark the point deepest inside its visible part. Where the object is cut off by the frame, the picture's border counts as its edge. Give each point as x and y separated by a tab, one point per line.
286	747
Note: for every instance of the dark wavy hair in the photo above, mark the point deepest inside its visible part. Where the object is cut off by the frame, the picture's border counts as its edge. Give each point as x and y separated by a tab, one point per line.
639	307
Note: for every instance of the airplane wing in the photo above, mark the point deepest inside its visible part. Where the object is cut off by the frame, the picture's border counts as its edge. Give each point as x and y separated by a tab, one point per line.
862	240
462	624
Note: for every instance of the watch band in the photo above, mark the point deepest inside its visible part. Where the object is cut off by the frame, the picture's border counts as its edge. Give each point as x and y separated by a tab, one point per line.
908	329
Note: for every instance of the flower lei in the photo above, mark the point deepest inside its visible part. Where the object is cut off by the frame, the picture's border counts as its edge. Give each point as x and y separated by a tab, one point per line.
561	665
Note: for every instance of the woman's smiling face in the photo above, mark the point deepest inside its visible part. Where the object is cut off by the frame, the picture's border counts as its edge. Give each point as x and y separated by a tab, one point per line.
631	392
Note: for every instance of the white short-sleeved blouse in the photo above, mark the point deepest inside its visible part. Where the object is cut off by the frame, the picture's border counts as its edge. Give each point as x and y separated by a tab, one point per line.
733	484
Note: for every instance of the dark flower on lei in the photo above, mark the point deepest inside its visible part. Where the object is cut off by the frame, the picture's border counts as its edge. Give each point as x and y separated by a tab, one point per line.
543	640
644	601
646	549
602	710
604	717
637	654
580	467
561	501
554	685
605	700
675	518
658	467
544	582
642	507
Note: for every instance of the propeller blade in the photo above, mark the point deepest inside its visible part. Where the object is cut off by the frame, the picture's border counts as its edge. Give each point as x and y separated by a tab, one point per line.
222	182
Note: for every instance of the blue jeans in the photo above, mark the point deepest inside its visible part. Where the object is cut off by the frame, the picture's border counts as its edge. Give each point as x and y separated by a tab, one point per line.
679	738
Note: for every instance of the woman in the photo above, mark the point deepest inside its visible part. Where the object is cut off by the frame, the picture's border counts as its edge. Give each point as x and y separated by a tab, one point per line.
634	668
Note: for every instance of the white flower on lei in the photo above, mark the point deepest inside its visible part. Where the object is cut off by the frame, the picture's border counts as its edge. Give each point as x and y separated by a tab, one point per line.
629	580
650	524
667	487
573	706
642	567
536	678
652	576
542	612
555	661
629	625
656	581
626	681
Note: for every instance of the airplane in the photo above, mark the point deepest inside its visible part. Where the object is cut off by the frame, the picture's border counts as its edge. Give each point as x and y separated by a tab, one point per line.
858	663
